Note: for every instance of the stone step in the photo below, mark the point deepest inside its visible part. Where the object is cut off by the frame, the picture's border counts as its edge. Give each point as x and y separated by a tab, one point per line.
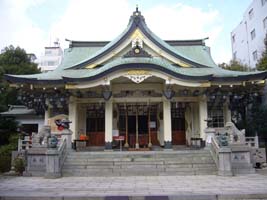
138	158
139	154
139	172
139	163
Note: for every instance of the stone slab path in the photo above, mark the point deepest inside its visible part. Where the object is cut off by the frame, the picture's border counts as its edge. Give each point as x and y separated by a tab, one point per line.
140	187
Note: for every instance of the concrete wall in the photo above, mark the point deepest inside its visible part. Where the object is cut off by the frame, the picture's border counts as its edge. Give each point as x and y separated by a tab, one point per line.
39	121
244	46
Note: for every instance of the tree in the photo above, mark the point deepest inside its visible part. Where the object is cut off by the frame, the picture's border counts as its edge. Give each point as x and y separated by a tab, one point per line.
234	66
262	63
12	61
257	120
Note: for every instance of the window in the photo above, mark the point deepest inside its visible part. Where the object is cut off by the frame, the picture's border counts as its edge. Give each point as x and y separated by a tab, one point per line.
251	14
215	114
253	34
263	2
255	55
233	38
265	23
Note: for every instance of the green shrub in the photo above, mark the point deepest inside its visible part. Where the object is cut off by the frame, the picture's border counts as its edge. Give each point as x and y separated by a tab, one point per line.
6	151
5	158
19	165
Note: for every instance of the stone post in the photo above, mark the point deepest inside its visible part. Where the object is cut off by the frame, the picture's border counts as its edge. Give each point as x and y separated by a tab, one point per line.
203	116
108	124
167	124
52	164
224	163
67	134
210	133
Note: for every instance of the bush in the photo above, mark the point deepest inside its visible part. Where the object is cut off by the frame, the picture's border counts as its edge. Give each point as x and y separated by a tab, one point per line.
19	165
5	158
6	151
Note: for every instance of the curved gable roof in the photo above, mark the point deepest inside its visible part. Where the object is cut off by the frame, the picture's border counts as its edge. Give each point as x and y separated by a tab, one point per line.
198	56
81	54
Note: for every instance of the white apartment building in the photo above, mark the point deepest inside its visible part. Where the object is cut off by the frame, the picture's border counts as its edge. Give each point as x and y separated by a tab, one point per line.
51	58
248	37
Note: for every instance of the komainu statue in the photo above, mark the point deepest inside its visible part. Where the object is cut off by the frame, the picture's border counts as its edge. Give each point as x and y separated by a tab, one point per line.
40	139
236	136
62	124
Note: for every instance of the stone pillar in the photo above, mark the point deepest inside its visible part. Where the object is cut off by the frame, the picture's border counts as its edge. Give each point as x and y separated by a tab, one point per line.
167	129
203	116
227	113
73	117
108	124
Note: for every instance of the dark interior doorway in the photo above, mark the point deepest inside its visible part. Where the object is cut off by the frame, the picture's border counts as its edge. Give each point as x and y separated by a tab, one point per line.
142	124
178	124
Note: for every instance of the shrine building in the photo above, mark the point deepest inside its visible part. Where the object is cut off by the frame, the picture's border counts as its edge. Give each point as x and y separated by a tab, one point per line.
153	92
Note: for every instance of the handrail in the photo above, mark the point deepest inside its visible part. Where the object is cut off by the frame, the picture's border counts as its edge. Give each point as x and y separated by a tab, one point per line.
215	151
62	152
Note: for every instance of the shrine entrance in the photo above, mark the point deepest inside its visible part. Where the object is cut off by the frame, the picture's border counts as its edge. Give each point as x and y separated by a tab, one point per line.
95	124
178	123
138	123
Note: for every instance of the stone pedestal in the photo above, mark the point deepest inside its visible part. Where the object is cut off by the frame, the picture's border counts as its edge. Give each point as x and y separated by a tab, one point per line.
52	164
241	159
36	162
67	134
224	163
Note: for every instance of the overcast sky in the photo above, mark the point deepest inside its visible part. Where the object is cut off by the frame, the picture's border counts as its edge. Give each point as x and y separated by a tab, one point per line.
34	24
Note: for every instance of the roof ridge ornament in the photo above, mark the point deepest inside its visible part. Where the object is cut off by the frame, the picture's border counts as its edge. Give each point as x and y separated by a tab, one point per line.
137	17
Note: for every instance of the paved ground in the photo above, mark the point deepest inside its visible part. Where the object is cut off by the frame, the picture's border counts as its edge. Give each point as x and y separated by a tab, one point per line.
74	187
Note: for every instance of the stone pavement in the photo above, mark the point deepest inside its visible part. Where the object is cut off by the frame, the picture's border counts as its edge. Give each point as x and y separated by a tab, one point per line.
136	187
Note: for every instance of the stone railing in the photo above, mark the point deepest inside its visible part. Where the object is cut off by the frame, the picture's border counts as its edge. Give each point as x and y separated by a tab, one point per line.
222	158
232	158
25	143
55	159
214	148
45	161
252	141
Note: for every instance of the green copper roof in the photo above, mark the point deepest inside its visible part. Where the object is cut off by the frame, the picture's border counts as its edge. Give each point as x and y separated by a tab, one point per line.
200	54
74	55
84	73
196	55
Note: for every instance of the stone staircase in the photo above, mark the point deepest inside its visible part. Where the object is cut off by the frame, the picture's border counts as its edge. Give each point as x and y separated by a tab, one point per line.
149	163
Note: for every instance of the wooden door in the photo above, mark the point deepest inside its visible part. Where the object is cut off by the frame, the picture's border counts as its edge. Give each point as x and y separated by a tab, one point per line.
178	126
